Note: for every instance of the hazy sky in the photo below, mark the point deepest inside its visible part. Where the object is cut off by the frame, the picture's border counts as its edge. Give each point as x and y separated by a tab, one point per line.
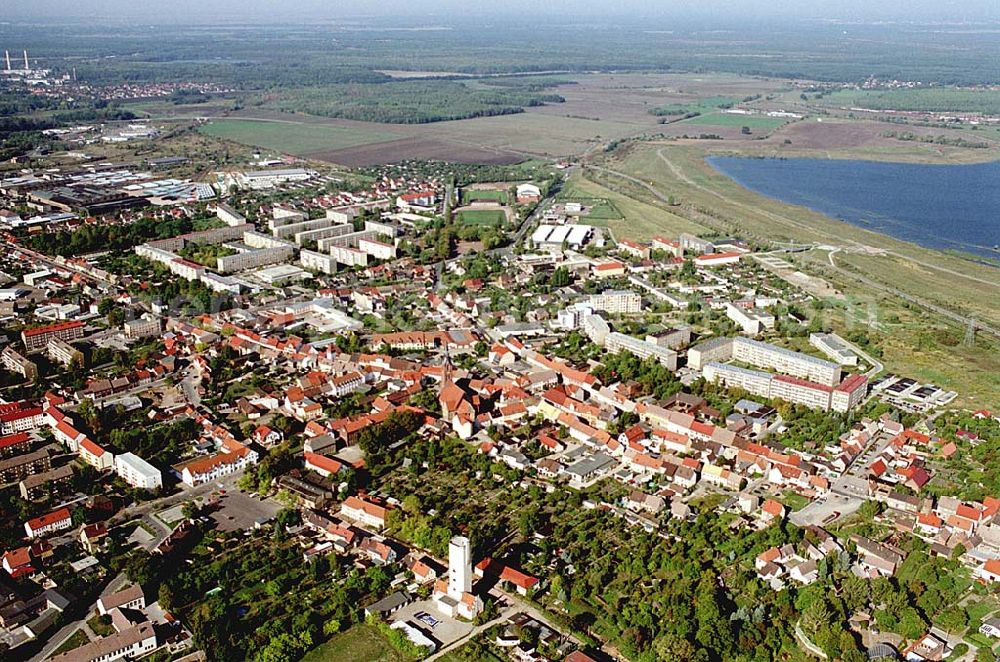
310	10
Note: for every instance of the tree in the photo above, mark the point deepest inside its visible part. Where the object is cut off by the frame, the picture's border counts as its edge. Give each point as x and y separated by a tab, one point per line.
672	648
165	597
190	510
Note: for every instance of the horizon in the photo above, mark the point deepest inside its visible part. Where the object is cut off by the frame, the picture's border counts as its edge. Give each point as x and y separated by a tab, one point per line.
311	11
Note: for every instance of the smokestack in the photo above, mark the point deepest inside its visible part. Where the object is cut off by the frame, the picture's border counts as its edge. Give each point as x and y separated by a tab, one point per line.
26	67
6	55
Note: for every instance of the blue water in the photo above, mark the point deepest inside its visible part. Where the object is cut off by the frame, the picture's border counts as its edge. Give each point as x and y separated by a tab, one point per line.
954	207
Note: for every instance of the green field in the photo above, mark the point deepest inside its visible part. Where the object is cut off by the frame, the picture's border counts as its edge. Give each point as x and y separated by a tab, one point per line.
294	138
482	217
924	99
728	119
359	644
706	105
469	195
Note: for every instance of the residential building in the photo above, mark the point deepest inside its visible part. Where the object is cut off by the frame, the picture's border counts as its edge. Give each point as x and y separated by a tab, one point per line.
15	362
18	467
213	467
131	643
62	352
364	511
41	484
617	302
48	523
252	259
690	242
634	249
137	472
229	216
834	347
142	327
15	444
39	337
672	246
128	598
95	455
849	393
616	342
320	262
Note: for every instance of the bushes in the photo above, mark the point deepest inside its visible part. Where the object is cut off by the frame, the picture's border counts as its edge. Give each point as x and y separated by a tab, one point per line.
398	639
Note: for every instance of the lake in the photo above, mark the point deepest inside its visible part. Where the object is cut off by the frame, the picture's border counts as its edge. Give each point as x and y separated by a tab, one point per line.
954	207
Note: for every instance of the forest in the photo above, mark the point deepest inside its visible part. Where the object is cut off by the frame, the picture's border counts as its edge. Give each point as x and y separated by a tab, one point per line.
410	102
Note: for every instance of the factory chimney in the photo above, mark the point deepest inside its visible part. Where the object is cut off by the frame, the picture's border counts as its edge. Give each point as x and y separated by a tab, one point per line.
6	55
26	67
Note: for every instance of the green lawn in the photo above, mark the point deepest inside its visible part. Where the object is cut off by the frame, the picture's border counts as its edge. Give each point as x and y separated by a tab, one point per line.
79	638
468	195
464	654
793	501
482	217
101	628
729	119
294	138
359	644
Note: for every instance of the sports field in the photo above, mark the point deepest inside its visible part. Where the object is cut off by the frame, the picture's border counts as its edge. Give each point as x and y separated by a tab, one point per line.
298	139
469	195
481	217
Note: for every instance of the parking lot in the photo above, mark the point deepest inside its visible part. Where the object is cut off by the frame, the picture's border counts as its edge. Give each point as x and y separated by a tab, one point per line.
237	511
446	631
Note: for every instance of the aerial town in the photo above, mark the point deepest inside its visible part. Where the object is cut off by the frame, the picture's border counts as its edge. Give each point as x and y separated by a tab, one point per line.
286	372
256	405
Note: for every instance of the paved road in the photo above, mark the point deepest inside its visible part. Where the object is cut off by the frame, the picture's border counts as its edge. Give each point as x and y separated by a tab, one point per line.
55	641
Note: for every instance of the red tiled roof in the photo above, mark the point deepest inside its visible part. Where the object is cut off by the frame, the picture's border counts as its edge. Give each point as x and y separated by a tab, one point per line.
61	326
322	462
518	578
14	439
49	518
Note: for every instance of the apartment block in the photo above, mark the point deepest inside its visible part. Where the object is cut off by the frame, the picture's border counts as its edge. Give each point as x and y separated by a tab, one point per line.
142	327
252	259
786	361
321	262
62	352
137	472
616	342
834	347
16	362
617	302
38	338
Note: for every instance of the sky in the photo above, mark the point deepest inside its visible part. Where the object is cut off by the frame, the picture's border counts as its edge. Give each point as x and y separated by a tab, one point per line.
293	11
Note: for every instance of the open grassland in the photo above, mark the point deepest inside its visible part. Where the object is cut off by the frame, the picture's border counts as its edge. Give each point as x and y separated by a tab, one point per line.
294	138
734	120
636	218
359	644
